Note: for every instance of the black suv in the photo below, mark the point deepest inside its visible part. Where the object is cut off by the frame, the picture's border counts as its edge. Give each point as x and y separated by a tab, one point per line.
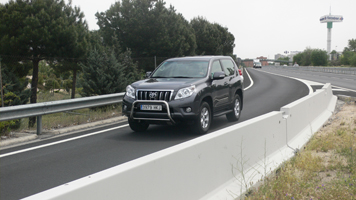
187	90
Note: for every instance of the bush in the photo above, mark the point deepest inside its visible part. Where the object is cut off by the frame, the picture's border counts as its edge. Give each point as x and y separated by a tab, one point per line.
319	57
6	126
353	60
316	57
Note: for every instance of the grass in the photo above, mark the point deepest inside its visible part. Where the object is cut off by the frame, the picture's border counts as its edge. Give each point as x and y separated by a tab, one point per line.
325	169
65	119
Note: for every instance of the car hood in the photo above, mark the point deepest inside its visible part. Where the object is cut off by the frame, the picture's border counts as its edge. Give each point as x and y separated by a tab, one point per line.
166	83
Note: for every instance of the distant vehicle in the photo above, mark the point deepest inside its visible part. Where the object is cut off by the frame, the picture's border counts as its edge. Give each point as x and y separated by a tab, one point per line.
257	64
295	65
285	65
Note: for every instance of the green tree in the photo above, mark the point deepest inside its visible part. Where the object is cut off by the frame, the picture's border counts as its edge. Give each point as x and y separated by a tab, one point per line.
78	50
316	57
15	90
101	74
335	61
14	86
319	57
227	41
284	59
353	60
96	41
148	28
303	58
38	30
130	69
172	35
349	54
352	45
298	58
212	39
333	55
306	57
104	74
346	57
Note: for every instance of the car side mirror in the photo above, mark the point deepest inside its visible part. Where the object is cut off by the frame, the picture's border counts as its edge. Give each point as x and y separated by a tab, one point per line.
148	74
218	75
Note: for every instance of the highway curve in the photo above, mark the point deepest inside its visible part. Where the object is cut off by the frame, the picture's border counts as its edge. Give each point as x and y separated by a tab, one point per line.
34	171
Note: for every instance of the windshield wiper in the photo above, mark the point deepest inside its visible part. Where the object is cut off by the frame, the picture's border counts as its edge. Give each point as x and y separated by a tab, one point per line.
159	77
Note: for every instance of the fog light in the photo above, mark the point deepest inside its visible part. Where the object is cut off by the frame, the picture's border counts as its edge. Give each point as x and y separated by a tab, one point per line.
125	107
189	109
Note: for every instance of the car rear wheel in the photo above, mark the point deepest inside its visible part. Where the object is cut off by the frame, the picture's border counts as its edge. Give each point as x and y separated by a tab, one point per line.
235	115
203	123
138	126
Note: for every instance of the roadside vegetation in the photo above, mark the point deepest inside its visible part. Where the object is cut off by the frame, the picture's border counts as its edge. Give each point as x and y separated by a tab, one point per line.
318	57
324	169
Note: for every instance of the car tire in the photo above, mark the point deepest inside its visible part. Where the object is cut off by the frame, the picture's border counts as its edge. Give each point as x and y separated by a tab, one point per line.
235	115
204	120
138	126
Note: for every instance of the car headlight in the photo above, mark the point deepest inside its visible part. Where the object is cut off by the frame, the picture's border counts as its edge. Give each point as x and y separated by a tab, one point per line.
130	91
185	92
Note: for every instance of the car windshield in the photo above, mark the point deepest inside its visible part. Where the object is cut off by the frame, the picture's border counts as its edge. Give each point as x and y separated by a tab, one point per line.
182	69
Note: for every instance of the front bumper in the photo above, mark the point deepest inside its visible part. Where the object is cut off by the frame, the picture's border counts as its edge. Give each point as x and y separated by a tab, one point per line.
172	112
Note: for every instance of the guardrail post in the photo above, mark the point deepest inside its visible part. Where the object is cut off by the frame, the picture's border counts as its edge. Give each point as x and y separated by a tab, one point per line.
39	125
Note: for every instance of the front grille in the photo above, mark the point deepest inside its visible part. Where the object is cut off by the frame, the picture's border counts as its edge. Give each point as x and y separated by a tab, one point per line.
154	95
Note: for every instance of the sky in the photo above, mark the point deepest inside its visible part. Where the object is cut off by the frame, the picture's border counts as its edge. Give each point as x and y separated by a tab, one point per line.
260	27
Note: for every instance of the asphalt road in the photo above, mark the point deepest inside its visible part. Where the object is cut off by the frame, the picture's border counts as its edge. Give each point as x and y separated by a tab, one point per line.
343	84
36	170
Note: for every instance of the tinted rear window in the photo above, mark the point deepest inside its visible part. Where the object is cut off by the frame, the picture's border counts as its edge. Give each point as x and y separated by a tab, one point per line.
228	67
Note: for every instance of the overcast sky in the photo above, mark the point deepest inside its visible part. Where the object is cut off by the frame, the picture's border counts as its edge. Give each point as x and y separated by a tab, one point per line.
261	27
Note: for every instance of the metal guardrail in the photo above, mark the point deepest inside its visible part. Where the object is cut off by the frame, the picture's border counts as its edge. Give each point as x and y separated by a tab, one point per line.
39	109
336	70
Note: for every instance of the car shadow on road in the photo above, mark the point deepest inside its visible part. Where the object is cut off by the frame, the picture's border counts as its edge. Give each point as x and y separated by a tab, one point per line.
173	133
158	133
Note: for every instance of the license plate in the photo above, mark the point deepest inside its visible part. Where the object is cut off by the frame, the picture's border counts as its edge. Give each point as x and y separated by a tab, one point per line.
151	107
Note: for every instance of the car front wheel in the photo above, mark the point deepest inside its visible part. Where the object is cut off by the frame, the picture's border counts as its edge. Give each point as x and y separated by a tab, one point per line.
203	123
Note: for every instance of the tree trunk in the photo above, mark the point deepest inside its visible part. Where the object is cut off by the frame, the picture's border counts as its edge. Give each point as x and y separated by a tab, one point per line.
33	98
74	83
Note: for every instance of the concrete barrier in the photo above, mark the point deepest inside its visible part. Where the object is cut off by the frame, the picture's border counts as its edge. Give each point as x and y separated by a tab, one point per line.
306	115
219	165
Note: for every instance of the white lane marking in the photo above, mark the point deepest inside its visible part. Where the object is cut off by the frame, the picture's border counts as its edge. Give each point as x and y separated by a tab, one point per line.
313	82
306	82
58	142
341	88
251	84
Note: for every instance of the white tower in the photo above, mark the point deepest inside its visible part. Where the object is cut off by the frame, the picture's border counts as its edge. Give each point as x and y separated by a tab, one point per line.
329	19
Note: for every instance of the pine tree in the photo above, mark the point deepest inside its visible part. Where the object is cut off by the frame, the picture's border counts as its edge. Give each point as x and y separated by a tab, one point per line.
101	74
36	30
148	28
14	89
104	74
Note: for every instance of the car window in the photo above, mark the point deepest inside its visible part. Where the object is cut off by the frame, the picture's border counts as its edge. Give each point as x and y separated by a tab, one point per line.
216	67
228	67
